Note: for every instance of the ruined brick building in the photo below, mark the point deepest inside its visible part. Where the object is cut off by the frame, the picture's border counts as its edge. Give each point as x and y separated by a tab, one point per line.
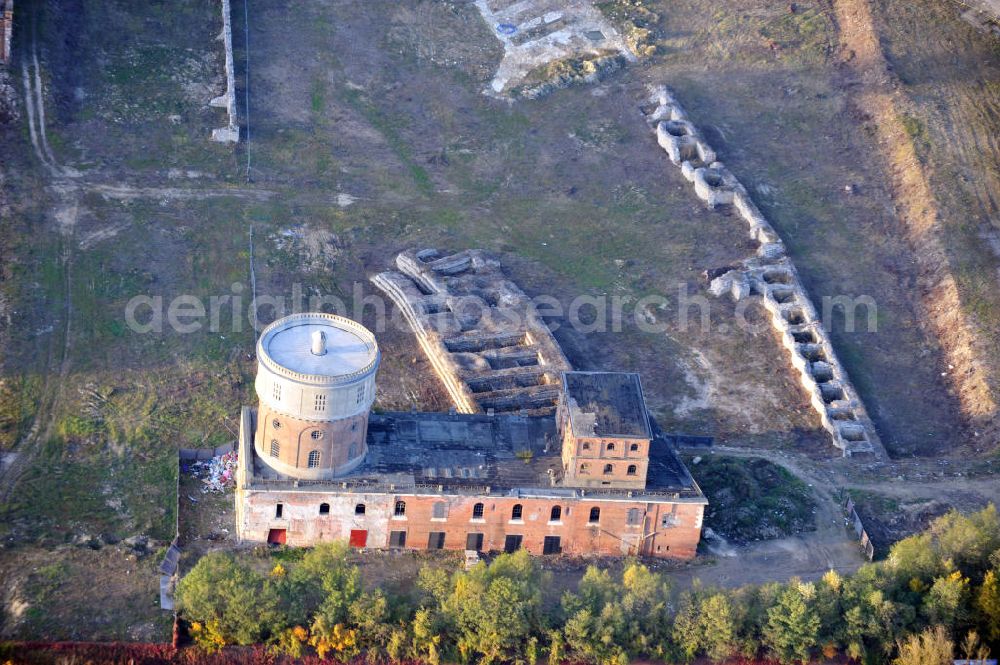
596	476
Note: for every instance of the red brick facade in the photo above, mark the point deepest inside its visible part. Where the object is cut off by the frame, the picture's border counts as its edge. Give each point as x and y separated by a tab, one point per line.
664	529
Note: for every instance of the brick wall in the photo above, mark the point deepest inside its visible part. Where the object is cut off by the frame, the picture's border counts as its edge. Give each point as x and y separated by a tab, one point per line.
669	529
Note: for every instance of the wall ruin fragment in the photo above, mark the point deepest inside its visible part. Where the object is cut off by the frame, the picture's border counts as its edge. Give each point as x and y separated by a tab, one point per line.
770	276
227	100
485	342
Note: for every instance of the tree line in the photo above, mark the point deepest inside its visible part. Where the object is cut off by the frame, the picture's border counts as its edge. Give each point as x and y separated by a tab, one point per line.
936	596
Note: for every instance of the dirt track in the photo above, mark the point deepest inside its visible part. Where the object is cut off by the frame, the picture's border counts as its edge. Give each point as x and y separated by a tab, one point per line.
876	92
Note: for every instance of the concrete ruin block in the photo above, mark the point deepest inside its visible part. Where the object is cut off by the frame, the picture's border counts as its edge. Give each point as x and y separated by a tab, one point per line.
771	250
688	171
227	100
713	185
226	135
682	142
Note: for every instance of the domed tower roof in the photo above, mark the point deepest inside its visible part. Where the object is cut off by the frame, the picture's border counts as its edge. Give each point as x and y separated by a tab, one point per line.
316	348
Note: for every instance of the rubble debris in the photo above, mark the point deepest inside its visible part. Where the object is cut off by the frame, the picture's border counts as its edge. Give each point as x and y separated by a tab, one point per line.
217	474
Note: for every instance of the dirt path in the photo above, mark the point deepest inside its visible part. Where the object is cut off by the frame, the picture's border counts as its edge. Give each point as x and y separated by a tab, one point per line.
68	186
830	546
874	90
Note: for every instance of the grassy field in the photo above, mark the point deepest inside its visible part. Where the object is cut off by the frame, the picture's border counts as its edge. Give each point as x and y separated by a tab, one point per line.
370	135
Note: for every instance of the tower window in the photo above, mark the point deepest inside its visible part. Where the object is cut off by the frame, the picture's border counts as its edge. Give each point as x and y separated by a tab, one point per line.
276	391
313	460
275	448
276	424
316	434
400	509
324	509
584	468
477	511
586	445
516	512
320	403
595	515
609	469
359	509
278	510
634	447
611	447
632	469
556	514
361	394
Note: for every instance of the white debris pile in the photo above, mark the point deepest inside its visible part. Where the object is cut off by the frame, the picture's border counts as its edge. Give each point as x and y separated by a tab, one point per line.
217	473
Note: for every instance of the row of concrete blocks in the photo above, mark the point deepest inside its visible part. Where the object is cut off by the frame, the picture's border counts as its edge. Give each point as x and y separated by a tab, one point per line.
227	100
770	275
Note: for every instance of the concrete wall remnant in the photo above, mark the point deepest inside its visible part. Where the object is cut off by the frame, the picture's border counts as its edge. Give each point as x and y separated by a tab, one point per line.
539	33
771	276
227	100
485	342
6	29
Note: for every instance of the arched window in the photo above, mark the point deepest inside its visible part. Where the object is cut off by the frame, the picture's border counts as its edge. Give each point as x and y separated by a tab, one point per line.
313	460
632	469
586	445
584	468
634	447
275	448
276	424
609	469
595	515
477	511
316	434
359	509
611	446
516	511
400	509
556	514
324	509
634	517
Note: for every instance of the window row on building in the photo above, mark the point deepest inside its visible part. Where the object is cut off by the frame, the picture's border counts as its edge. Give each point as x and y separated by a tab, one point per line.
611	447
474	541
440	512
609	469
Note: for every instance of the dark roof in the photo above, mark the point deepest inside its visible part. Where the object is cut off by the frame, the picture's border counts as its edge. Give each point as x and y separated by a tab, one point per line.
606	404
442	452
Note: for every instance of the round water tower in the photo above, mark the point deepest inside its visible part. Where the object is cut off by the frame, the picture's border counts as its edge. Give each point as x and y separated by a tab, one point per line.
316	385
